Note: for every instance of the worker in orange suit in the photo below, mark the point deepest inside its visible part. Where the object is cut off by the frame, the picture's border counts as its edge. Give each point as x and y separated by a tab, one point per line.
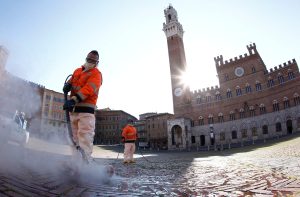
129	136
84	86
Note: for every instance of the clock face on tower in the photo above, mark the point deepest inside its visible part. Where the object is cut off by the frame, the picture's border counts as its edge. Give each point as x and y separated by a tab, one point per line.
239	71
178	91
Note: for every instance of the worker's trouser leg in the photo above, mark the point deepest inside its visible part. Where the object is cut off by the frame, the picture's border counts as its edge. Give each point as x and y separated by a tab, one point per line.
83	129
132	150
129	151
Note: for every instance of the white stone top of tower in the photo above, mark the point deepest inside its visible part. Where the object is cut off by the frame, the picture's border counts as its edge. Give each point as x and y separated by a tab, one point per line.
3	57
172	27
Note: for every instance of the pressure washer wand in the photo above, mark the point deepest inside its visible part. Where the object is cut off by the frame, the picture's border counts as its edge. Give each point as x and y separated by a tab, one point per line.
80	150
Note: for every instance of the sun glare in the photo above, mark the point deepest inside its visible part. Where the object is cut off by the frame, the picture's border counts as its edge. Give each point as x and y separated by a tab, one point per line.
197	78
185	78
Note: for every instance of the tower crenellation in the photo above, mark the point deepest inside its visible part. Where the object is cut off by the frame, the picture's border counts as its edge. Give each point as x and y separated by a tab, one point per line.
220	62
252	48
285	65
204	91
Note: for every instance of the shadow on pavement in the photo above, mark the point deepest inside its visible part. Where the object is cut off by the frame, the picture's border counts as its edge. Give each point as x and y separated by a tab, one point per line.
119	148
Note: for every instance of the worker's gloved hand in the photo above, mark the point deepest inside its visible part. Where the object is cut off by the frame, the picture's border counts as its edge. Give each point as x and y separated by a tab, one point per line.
67	87
69	105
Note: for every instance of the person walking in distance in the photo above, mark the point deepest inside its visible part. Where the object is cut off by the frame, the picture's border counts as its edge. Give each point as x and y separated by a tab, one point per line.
129	136
84	86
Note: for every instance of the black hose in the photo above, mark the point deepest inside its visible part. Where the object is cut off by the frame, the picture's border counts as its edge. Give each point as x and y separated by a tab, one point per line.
68	115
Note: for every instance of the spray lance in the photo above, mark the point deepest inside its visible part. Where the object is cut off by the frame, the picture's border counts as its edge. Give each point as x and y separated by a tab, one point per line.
78	148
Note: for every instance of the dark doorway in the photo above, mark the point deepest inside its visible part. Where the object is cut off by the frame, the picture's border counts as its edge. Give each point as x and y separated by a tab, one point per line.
176	135
193	139
202	140
289	126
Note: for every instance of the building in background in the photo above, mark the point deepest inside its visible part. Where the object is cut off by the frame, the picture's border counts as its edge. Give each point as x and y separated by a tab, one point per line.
44	109
250	104
146	115
143	140
142	133
19	95
109	125
53	122
157	130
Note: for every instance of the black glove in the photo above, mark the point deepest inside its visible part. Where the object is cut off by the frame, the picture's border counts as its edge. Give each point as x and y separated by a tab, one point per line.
67	87
69	105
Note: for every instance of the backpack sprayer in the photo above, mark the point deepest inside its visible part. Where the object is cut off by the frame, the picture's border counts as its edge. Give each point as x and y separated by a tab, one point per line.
78	148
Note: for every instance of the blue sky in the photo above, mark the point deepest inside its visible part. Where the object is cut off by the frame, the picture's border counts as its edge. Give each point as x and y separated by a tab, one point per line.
48	39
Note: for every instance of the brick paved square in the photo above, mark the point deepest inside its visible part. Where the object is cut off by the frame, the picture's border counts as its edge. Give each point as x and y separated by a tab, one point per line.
266	170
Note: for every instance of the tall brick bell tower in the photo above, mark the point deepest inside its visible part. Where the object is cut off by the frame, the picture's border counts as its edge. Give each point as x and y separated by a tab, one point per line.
174	33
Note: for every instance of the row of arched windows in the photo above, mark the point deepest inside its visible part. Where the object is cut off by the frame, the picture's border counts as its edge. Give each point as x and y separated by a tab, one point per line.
248	88
247	133
244	133
247	112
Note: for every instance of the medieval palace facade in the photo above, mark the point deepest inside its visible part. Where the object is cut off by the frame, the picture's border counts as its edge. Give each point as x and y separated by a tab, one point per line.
250	104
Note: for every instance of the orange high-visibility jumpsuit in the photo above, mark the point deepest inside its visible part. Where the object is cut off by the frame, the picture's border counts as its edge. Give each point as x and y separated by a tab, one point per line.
129	135
85	87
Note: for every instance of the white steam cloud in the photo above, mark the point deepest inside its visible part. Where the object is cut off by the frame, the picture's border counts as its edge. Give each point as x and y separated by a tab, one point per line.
50	155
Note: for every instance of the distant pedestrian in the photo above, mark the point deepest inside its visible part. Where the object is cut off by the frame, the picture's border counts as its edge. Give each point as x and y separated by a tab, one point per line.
129	136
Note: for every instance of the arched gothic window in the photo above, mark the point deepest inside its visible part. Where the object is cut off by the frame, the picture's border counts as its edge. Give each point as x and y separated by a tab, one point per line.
296	99
290	74
270	82
220	117
231	115
198	99
208	98
242	113
280	78
238	91
258	86
201	120
248	88
286	103
275	105
252	111
262	108
228	93
218	96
